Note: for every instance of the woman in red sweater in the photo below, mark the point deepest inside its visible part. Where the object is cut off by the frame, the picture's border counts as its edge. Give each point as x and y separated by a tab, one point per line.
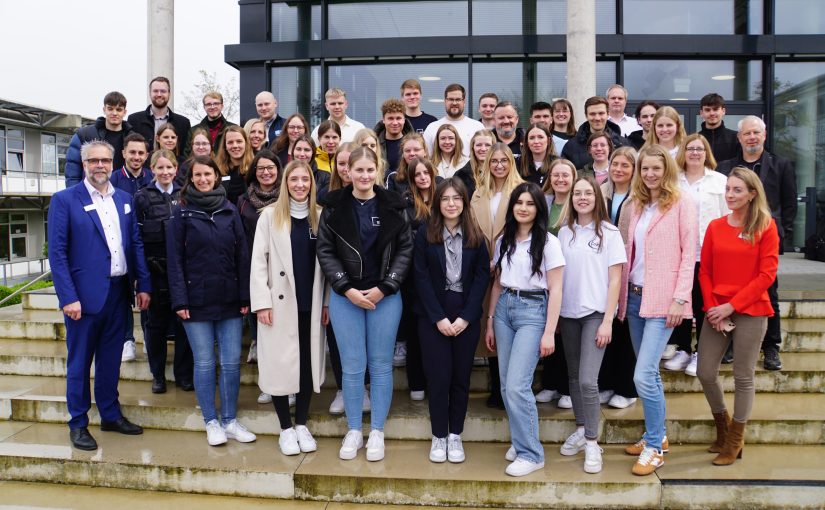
738	264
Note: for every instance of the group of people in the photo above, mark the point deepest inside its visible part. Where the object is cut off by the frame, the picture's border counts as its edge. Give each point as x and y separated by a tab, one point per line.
456	239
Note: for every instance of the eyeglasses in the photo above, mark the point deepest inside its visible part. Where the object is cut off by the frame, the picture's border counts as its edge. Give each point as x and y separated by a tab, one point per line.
299	127
268	168
99	161
454	100
497	162
452	198
695	149
211	105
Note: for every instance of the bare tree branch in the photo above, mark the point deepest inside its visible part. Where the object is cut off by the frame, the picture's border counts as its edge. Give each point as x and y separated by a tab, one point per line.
192	105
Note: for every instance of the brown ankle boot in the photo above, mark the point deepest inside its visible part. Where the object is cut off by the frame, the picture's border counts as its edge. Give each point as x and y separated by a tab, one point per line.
722	421
734	444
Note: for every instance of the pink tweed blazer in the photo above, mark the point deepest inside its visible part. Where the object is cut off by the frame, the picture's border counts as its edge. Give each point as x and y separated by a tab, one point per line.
669	262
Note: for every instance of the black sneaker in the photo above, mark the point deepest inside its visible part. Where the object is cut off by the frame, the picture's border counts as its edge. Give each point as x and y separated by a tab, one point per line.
727	359
771	360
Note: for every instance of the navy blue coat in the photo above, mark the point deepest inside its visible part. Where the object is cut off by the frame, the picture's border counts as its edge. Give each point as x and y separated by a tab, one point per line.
430	263
122	179
97	131
207	262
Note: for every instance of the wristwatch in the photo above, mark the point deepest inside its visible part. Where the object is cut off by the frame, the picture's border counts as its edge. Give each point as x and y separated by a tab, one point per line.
680	301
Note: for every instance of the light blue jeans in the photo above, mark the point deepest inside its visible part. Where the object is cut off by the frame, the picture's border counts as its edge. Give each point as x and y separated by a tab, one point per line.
366	337
202	337
518	325
649	337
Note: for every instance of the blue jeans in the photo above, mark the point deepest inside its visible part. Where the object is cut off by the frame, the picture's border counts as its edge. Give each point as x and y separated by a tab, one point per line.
202	336
649	337
366	337
518	325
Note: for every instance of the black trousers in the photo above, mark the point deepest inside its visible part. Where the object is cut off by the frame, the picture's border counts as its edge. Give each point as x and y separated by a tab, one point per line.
408	332
619	363
448	363
682	335
773	335
304	396
554	370
160	319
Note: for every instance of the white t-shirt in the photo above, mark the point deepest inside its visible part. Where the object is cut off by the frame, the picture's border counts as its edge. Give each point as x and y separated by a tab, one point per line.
517	271
466	128
627	124
348	130
637	269
586	275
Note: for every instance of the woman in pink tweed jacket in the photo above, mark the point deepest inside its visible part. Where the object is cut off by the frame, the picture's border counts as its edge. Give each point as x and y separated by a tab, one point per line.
656	285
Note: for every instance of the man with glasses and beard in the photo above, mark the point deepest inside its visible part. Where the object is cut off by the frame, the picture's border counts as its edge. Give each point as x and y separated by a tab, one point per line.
148	121
454	101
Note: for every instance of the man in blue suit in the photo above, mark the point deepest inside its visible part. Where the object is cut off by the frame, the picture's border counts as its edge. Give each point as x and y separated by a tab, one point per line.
97	262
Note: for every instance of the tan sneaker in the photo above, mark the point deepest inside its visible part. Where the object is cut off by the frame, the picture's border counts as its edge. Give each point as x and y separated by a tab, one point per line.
649	460
636	449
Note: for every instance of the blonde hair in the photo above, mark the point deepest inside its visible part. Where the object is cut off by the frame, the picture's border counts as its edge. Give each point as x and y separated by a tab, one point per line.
361	136
163	153
669	192
672	114
401	173
438	156
547	189
475	164
281	218
758	217
681	156
335	181
487	186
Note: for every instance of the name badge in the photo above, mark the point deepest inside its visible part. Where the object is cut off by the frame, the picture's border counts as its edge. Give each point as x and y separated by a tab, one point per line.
226	177
127	208
90	207
376	221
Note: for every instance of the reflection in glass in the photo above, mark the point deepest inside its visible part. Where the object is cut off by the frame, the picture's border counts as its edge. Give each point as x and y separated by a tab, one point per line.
551	79
551	16
298	21
681	80
298	89
799	128
358	20
508	80
499	17
692	16
367	86
800	16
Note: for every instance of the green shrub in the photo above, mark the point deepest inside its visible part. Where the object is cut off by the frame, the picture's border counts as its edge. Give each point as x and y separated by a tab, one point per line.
5	291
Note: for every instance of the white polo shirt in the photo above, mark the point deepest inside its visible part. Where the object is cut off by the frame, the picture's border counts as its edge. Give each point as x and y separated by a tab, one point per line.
517	272
586	276
627	124
348	130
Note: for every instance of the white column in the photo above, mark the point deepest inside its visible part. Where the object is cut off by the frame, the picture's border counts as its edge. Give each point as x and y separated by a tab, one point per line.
160	31
581	54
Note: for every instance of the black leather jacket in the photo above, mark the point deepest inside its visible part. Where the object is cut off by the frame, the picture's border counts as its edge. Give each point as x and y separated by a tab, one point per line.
339	243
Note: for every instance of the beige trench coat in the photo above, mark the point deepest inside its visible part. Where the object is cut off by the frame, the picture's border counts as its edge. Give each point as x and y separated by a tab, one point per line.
272	285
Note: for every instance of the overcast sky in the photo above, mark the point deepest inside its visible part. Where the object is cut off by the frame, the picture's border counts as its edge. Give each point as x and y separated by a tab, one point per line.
66	55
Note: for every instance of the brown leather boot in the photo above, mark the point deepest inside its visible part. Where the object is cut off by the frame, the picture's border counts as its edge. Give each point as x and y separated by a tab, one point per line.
722	421
734	444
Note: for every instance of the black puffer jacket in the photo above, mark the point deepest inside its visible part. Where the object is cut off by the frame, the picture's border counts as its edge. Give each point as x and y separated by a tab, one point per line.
576	148
339	242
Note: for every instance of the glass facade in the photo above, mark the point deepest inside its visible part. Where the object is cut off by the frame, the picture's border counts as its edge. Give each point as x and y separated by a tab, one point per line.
300	21
683	80
358	20
797	17
693	16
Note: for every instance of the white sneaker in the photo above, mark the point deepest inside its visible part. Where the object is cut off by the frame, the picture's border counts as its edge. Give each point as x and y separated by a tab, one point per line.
438	450
565	402
234	430
691	367
679	361
592	458
145	349
375	446
306	442
264	398
399	358
288	442
352	442
366	406
337	405
670	351
479	361
214	433
417	395
574	443
619	402
292	400
128	351
605	396
455	449
523	467
252	357
511	454
547	395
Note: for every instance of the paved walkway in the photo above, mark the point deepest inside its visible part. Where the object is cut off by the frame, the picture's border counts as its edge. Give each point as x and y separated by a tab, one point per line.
800	278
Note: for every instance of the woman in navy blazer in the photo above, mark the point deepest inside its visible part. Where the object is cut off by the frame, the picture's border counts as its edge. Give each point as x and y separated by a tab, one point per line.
452	272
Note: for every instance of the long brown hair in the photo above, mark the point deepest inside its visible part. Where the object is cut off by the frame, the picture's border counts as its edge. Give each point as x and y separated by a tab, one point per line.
335	181
282	142
527	161
600	213
222	158
470	231
401	173
758	217
423	208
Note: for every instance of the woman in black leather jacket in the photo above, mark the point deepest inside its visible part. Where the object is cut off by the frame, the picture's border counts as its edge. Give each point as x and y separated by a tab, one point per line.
364	248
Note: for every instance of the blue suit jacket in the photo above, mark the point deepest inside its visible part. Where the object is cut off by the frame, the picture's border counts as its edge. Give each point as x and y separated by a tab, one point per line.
78	253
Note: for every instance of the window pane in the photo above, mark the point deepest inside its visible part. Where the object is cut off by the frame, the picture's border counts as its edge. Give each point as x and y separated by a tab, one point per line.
358	20
800	16
15	162
677	80
551	79
499	17
4	243
299	21
799	128
507	80
14	133
551	16
18	247
298	89
693	17
367	86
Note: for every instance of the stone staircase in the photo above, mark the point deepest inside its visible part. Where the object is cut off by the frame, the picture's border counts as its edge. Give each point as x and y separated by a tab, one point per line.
782	467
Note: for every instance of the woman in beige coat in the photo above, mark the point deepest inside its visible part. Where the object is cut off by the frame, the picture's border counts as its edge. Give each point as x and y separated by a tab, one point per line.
287	293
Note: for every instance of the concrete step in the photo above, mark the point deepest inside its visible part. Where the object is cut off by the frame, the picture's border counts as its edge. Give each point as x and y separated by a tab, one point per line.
802	372
182	462
792	418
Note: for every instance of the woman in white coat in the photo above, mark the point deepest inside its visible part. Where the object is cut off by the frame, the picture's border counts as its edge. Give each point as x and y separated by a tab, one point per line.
287	293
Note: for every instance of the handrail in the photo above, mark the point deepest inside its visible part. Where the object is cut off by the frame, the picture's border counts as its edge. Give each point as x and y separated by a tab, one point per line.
24	287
